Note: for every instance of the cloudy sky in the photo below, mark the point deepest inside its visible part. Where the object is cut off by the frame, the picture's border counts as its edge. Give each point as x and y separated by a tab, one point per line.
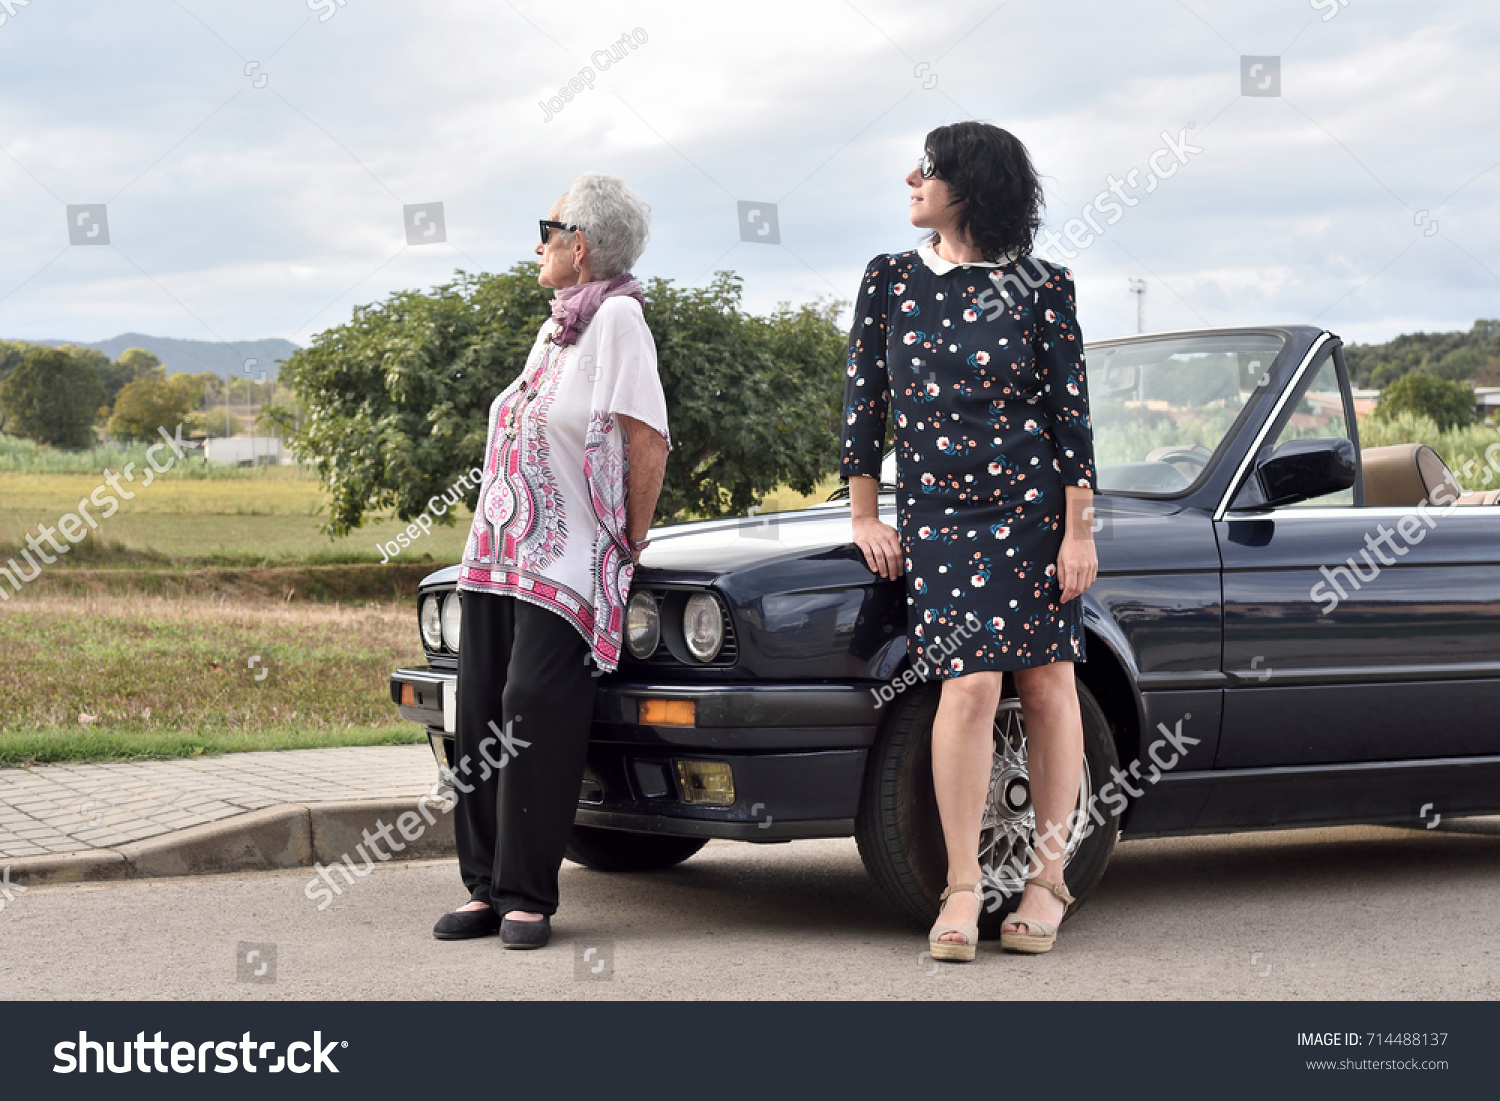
255	156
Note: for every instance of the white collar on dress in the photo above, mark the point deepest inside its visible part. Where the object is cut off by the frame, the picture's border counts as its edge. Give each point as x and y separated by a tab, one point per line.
938	266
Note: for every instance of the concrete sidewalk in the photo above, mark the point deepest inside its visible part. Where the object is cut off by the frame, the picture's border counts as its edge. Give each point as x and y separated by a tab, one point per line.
55	809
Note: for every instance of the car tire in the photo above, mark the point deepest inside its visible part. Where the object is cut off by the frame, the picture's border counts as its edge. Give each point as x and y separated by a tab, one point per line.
623	851
900	836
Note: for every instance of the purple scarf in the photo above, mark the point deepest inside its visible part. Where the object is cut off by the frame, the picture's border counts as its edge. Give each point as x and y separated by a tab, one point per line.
574	307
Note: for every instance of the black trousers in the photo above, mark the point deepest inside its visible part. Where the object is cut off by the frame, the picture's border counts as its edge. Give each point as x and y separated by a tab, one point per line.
525	705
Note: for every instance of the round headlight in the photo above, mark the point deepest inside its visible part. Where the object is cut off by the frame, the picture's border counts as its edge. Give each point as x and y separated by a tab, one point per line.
452	617
642	626
429	620
703	626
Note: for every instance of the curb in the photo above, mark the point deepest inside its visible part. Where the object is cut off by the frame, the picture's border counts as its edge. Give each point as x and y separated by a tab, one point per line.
292	835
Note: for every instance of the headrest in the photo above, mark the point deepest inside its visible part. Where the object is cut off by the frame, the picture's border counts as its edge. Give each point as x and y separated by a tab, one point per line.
1406	475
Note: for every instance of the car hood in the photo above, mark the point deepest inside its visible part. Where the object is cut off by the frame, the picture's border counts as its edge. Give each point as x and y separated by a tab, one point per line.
710	548
714	547
719	546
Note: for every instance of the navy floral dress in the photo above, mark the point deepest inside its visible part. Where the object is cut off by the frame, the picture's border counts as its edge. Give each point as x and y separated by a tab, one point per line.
991	422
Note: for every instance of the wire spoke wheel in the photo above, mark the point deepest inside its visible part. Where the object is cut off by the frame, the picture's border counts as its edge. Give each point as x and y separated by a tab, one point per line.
1007	832
900	833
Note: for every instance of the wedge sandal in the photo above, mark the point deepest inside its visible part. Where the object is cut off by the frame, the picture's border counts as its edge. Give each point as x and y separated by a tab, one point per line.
1040	935
955	951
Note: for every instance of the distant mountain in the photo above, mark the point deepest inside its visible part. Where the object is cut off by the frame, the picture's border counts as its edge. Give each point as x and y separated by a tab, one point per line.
193	357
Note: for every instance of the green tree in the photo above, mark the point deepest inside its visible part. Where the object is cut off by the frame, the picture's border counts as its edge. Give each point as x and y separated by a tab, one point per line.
753	402
1474	355
396	398
1467	364
52	397
213	388
190	388
11	354
1449	404
93	356
395	402
133	364
140	361
147	404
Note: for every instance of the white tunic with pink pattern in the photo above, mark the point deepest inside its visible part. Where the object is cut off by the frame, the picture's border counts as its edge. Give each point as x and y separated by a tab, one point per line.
550	523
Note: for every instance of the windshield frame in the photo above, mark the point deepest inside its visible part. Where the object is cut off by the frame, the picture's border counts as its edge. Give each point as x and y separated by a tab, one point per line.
1247	412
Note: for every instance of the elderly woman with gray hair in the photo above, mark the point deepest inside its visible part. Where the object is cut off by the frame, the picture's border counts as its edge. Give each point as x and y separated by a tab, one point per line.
572	468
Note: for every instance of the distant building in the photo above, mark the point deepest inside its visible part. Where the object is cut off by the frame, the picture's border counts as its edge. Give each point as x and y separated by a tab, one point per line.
1486	401
1364	401
246	451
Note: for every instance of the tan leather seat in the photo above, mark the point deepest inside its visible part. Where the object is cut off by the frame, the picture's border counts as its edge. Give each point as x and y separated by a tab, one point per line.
1481	497
1407	475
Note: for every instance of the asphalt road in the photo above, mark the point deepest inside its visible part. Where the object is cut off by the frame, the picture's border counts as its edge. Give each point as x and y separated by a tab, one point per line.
1347	913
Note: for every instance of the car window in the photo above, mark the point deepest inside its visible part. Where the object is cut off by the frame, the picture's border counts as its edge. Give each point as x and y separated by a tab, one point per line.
1319	412
1162	408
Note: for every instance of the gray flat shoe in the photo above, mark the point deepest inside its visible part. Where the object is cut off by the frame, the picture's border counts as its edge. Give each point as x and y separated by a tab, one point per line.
526	934
467	924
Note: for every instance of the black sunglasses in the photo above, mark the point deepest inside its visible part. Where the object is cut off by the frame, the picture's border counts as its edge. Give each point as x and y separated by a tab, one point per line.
548	227
927	166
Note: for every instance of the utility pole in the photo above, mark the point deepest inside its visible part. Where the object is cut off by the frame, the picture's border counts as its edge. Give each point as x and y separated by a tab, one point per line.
249	415
1138	288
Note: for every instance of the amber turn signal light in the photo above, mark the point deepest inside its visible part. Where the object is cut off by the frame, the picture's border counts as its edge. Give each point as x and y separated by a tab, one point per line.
668	713
408	695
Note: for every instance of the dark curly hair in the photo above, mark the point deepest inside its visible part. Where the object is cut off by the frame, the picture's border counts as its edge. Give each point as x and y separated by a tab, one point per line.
989	172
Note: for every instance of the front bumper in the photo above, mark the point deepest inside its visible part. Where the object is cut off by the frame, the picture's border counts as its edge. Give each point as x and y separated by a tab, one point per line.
797	753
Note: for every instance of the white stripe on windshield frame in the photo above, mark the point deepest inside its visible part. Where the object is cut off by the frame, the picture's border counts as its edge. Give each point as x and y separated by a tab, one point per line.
1269	423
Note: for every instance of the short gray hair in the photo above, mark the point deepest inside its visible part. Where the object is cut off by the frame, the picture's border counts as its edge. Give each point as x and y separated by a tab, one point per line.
615	221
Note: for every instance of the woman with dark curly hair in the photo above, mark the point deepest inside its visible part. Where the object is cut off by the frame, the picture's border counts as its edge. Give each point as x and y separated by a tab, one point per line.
976	345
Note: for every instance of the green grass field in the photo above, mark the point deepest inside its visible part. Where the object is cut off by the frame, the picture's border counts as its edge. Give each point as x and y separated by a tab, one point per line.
121	677
127	673
272	518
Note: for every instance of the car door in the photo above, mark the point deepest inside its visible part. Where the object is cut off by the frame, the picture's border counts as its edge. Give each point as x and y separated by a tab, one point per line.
1355	634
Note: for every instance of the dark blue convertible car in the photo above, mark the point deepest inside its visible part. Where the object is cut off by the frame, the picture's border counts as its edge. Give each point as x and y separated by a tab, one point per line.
1285	631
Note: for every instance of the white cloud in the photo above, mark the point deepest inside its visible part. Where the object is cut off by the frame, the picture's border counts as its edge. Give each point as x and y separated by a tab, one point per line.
254	217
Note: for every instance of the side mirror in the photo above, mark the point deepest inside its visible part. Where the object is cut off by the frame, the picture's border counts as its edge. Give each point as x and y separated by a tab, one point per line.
1299	470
